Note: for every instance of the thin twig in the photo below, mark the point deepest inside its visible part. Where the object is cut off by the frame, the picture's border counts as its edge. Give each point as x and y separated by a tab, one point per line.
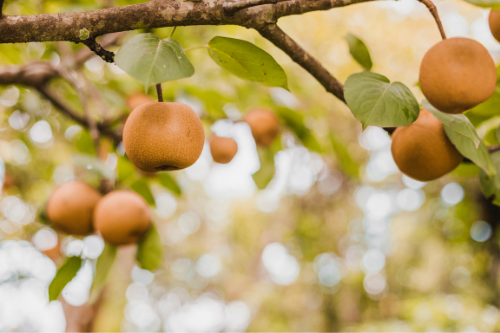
172	32
81	91
196	47
279	38
68	111
159	92
1	8
432	8
104	54
493	149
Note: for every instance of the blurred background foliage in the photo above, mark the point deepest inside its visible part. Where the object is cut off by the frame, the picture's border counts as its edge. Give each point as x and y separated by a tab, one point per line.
323	234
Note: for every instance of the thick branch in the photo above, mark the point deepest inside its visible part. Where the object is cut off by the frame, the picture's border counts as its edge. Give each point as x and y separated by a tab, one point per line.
80	26
279	38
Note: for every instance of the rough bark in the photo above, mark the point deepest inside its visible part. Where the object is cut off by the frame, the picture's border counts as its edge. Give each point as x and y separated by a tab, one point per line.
81	26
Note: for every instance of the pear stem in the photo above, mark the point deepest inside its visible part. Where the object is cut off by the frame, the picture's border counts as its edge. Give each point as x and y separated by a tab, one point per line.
159	92
432	8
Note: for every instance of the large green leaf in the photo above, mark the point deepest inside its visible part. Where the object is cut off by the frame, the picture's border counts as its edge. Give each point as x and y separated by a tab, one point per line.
374	100
493	4
458	122
466	147
150	250
64	275
141	186
359	51
102	268
169	182
151	61
247	61
490	186
93	165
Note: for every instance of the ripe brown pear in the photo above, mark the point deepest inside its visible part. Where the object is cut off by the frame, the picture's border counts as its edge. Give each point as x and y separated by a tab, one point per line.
71	205
122	217
264	125
457	74
494	22
223	149
163	136
138	99
422	150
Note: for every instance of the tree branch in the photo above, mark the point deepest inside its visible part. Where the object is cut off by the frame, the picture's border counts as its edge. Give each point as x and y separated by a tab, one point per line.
81	26
279	38
105	55
1	8
68	111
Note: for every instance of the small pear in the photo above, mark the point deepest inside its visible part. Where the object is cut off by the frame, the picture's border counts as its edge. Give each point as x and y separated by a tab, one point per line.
264	125
223	149
494	22
163	136
422	150
71	205
122	217
457	74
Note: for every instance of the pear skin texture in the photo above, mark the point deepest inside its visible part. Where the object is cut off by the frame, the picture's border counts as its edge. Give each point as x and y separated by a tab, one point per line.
137	100
71	205
122	217
163	136
422	150
494	22
457	74
264	125
223	149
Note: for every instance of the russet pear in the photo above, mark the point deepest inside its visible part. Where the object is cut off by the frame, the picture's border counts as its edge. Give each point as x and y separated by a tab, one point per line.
71	205
163	136
122	217
264	125
223	149
457	74
422	150
494	22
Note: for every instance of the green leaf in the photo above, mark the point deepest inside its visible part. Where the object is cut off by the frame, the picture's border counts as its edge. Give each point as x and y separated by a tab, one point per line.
102	269
375	101
93	165
267	168
124	168
467	148
247	61
151	61
141	186
359	51
490	186
493	4
64	275
169	182
458	122
150	250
